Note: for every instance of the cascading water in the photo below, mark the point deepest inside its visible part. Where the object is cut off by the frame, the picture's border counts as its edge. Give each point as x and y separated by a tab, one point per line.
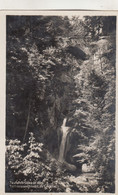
64	130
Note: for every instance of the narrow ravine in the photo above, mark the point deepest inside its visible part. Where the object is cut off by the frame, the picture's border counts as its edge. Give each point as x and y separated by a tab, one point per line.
60	97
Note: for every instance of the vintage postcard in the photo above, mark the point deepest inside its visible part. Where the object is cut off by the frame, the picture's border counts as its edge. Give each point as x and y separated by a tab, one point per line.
59	108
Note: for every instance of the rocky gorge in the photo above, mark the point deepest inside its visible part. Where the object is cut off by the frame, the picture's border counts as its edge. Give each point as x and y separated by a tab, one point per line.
60	103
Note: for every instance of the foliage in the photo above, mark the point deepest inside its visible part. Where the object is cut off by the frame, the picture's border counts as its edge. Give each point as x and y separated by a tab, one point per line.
31	162
14	153
96	26
61	67
95	108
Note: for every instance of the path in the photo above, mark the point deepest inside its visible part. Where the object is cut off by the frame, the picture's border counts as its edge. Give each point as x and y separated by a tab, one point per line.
86	181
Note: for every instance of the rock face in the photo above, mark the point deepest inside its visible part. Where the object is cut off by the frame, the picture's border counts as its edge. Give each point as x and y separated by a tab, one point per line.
69	167
76	52
54	108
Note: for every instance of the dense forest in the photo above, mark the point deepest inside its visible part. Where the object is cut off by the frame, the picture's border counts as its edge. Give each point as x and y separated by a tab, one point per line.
60	103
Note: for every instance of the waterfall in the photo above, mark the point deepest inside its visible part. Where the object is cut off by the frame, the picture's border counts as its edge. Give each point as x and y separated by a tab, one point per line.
64	130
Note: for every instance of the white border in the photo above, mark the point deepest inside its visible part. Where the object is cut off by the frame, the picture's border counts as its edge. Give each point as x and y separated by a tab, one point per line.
3	84
59	4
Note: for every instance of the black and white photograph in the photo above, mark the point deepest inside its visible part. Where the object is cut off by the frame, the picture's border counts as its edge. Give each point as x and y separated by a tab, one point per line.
60	103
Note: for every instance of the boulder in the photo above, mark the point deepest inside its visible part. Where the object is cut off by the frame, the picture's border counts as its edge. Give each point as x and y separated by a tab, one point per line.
69	167
87	168
76	52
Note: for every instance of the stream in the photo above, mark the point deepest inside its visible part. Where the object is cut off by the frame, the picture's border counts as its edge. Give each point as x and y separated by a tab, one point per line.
64	130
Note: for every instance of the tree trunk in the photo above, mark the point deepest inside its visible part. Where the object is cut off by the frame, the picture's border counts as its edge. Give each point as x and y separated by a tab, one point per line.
28	118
